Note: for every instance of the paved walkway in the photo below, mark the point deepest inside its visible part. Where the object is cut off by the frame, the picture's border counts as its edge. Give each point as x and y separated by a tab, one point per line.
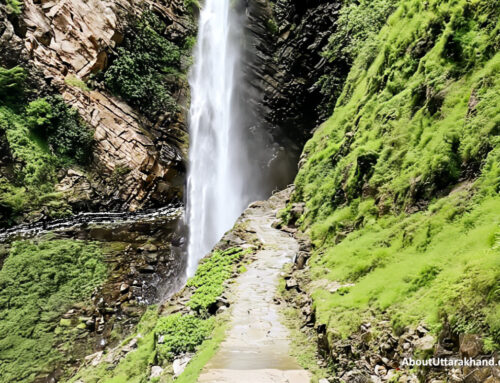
257	349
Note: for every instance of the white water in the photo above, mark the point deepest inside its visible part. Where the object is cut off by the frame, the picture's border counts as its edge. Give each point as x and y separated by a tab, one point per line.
218	157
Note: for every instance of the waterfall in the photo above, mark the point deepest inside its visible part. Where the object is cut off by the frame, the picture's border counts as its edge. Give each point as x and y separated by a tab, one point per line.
218	157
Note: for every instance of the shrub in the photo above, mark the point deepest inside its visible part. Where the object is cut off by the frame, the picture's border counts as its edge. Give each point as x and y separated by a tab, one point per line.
210	277
181	334
62	127
138	74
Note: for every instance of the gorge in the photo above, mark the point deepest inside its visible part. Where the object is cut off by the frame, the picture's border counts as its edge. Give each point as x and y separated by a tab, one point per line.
126	124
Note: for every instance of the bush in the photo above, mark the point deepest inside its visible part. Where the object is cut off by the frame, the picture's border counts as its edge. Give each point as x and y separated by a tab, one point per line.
210	277
139	72
181	334
62	127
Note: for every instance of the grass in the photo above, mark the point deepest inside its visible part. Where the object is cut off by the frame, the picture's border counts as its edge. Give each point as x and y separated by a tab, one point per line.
74	81
39	281
210	276
205	353
402	183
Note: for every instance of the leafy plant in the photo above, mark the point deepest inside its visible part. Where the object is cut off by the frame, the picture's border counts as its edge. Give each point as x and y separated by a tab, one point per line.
11	80
210	277
62	127
14	6
139	72
181	334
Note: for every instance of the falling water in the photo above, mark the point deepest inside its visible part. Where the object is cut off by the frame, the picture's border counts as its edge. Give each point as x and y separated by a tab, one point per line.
218	155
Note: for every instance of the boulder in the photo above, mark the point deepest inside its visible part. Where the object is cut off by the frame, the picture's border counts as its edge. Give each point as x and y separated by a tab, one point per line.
470	345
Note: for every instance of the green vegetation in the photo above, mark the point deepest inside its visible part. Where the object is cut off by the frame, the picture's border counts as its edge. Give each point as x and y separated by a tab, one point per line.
402	184
205	351
38	283
210	277
181	333
303	340
40	138
61	127
72	80
14	6
11	81
139	73
358	24
192	5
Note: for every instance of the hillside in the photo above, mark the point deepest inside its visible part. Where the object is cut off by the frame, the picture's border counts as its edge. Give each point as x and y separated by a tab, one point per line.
401	185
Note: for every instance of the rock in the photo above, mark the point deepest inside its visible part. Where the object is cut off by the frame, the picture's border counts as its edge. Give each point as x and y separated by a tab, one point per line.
132	345
323	381
94	359
421	331
149	248
425	344
292	284
73	39
124	288
380	370
180	364
221	309
156	372
479	375
161	339
470	345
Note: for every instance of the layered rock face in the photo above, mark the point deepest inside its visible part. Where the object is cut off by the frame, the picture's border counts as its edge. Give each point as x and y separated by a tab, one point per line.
136	163
284	48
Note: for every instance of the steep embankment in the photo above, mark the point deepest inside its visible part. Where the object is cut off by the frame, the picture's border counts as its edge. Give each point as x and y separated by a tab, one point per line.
401	189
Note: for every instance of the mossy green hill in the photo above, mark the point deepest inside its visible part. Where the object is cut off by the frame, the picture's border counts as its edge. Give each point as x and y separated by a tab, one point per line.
402	183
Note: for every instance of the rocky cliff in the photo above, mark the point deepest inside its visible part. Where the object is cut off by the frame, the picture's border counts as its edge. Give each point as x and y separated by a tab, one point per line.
64	45
285	45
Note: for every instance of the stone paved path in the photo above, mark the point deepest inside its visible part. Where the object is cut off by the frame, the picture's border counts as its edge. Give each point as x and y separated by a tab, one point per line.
256	348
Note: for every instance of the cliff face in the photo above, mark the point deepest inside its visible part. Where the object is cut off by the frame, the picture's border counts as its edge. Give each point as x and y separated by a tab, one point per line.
285	42
63	43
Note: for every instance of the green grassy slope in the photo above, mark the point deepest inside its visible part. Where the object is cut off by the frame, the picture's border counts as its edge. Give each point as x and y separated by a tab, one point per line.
402	183
39	282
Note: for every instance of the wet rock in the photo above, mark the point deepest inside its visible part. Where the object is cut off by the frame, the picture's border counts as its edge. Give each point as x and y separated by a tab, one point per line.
147	269
124	288
149	248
